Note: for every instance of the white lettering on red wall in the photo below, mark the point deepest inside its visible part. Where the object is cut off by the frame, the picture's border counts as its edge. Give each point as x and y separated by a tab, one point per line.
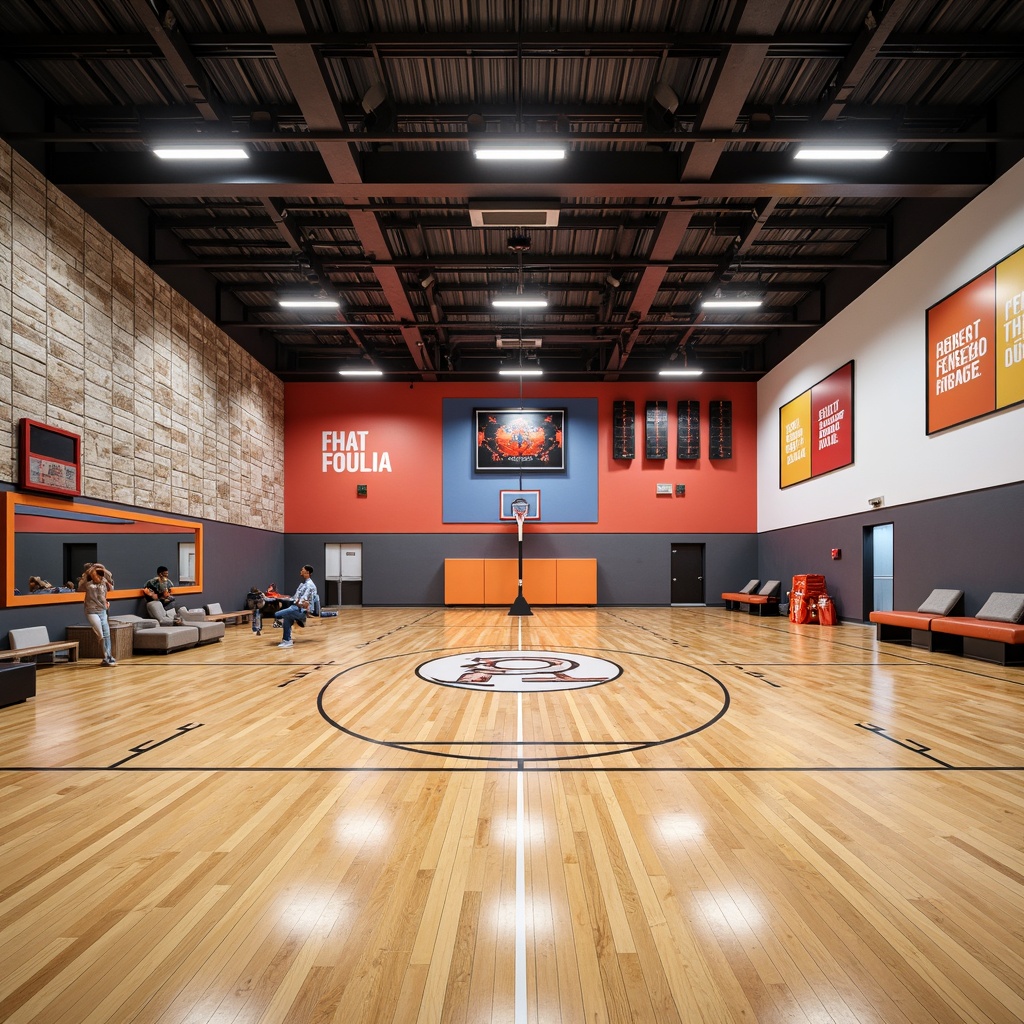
346	451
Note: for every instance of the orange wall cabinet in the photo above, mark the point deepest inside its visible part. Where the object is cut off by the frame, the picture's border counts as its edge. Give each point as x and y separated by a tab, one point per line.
463	581
496	580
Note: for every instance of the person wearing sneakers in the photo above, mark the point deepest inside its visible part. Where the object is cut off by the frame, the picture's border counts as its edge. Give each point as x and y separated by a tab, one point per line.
96	583
303	600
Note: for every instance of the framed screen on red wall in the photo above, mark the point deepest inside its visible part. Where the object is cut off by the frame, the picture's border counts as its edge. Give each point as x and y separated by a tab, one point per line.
49	459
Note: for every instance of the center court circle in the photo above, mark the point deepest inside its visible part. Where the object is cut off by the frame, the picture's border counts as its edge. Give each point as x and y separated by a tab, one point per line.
519	671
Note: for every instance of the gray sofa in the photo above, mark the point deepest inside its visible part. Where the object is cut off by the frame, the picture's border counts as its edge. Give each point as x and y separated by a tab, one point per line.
151	638
209	632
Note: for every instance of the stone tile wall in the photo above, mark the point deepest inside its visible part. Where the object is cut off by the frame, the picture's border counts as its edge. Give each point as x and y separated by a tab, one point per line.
174	415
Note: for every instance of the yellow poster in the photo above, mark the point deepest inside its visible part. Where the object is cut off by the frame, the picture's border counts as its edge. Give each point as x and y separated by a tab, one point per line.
1009	333
795	440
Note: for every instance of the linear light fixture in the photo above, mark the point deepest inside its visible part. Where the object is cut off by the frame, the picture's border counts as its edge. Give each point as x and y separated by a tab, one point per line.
811	152
368	371
312	302
520	371
168	152
732	303
680	373
528	153
519	302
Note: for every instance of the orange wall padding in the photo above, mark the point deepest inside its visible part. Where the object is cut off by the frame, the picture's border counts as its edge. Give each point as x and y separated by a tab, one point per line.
390	437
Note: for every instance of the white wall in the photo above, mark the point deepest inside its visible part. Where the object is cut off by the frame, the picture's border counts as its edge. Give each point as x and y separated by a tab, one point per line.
883	331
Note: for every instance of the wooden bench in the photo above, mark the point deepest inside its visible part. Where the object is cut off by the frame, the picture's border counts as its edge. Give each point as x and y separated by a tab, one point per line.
233	617
214	613
764	602
34	642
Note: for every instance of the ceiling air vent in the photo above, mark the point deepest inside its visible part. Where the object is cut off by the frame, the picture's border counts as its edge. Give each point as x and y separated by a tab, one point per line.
513	215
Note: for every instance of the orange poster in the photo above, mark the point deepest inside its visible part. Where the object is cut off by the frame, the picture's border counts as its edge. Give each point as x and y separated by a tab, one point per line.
1009	334
961	354
795	440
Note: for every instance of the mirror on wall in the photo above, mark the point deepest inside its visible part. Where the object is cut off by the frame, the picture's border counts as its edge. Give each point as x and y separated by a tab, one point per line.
51	539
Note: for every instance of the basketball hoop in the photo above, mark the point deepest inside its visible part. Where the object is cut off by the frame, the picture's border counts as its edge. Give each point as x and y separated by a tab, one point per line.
520	508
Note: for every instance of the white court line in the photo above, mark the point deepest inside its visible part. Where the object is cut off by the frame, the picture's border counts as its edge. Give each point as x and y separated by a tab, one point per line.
520	998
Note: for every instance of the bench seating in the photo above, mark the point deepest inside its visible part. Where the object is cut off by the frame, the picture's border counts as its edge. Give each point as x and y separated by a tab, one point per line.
999	642
764	602
995	634
33	642
151	638
914	628
215	614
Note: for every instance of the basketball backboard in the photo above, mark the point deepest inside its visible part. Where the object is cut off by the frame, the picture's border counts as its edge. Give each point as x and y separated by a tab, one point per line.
532	498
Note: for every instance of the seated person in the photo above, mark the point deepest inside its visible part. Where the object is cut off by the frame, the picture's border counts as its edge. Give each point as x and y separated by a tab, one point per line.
37	583
159	588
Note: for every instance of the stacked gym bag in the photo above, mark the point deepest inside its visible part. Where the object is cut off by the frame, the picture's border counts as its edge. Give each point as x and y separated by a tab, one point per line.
809	601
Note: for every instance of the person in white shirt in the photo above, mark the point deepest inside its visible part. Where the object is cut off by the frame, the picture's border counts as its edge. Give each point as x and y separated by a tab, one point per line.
304	600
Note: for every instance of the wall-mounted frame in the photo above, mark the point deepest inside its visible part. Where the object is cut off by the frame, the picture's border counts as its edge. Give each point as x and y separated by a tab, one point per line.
49	459
55	523
816	429
514	440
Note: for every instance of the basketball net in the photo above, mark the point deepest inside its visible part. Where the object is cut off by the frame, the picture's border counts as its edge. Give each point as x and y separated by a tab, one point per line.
520	509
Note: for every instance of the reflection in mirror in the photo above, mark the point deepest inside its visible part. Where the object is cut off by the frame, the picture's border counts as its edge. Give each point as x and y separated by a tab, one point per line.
50	540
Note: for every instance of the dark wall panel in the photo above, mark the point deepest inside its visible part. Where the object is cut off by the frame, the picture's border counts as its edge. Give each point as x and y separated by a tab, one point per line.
408	569
971	542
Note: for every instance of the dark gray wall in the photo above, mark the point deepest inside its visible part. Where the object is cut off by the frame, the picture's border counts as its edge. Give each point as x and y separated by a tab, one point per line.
408	569
235	558
971	542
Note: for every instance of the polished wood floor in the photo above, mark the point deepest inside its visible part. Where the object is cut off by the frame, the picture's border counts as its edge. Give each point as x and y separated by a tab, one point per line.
754	822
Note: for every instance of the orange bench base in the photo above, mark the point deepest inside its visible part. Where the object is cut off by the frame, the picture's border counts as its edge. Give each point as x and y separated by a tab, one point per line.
757	604
913	628
998	642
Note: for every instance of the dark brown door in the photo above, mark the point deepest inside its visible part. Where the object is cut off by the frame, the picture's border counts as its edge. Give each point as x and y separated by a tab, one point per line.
688	574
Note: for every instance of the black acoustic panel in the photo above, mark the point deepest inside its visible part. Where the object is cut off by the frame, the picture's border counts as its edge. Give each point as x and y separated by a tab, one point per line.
657	430
688	430
720	427
624	430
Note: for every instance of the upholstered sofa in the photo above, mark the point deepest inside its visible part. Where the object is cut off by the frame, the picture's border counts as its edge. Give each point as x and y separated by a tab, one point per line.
150	637
209	632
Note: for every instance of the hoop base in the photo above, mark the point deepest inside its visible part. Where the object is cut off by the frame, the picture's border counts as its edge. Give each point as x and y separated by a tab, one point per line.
520	607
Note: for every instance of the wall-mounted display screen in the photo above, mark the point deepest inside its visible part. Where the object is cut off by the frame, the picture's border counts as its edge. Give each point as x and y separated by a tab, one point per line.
816	429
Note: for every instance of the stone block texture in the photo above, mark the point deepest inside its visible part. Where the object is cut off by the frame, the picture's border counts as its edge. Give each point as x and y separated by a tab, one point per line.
174	415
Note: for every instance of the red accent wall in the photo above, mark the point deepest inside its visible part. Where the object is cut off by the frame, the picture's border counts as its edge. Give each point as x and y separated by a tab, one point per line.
403	424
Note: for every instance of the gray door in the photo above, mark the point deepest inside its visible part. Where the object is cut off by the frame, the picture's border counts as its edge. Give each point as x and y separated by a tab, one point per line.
688	574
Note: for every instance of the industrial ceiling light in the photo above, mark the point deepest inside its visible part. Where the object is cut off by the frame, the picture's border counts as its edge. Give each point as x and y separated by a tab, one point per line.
810	151
199	152
307	302
724	302
360	369
680	372
521	153
519	301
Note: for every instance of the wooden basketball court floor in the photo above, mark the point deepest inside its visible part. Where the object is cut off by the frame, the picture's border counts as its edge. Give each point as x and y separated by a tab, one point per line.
752	821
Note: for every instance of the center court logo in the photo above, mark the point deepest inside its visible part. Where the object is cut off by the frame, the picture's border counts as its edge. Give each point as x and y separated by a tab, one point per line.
519	671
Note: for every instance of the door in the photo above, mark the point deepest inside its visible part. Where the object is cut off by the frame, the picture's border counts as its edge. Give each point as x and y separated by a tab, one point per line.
687	574
878	568
344	573
75	558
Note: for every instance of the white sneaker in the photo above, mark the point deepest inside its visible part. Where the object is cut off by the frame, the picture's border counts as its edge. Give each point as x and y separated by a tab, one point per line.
286	643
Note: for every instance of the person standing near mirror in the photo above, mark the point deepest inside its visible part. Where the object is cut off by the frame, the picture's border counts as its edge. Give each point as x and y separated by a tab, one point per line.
159	587
96	583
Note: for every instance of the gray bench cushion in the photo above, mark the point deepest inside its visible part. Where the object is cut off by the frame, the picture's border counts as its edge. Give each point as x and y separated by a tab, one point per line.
771	588
208	631
165	638
940	602
28	636
1002	608
750	587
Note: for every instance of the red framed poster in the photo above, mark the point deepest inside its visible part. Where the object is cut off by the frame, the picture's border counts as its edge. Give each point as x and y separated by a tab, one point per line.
49	459
975	347
816	429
